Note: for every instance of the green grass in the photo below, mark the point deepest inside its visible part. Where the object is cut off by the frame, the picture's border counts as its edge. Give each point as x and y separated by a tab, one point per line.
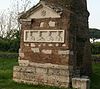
95	79
6	82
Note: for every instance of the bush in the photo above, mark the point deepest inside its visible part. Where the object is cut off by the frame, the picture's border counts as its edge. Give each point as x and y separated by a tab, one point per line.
95	48
9	45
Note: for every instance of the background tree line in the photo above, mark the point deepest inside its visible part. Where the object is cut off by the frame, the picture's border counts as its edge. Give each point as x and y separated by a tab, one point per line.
95	35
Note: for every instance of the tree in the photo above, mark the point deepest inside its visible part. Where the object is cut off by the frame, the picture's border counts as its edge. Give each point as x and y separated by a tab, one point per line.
9	26
94	34
3	23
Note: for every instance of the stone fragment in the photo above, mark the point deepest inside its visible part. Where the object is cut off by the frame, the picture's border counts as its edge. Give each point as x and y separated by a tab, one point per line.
47	51
35	50
65	52
23	62
52	24
21	55
33	45
50	45
26	44
81	83
41	24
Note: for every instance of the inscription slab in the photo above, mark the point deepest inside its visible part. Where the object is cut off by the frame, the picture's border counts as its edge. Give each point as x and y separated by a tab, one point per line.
44	36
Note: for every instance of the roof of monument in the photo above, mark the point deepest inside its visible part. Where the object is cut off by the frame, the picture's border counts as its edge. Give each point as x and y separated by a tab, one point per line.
57	9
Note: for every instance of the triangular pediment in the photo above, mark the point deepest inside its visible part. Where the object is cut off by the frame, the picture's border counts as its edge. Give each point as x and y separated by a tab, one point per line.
44	12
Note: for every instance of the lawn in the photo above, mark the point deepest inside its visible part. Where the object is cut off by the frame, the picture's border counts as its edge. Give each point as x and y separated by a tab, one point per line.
6	82
95	79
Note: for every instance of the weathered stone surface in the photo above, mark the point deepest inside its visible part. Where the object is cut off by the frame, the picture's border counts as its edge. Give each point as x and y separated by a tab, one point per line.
23	62
63	52
81	83
47	51
39	74
35	50
59	72
49	65
33	45
52	24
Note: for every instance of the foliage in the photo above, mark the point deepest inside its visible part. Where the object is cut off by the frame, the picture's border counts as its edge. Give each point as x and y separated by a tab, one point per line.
10	43
94	34
6	55
95	48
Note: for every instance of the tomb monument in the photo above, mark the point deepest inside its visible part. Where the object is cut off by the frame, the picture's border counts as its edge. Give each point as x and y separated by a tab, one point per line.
54	44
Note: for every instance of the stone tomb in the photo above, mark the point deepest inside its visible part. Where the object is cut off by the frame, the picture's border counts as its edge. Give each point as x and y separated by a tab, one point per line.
48	46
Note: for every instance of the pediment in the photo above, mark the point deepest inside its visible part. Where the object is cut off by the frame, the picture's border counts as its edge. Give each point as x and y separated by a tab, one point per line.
44	12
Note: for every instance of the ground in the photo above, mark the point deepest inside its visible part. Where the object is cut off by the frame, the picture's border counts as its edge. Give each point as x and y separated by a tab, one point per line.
6	82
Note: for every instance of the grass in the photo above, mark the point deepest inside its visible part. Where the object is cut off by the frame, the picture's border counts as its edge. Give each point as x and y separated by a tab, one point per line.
95	79
6	82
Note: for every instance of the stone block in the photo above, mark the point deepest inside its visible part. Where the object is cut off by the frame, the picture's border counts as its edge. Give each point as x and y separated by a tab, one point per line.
40	78
81	83
41	70
60	81
33	45
47	51
23	62
46	74
49	65
60	72
65	52
26	44
21	55
52	24
35	50
41	24
16	75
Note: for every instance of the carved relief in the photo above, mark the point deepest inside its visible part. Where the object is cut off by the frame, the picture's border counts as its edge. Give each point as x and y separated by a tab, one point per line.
52	24
44	36
43	12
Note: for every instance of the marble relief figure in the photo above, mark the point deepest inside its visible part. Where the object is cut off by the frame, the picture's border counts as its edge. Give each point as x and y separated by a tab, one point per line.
49	37
32	36
40	37
44	36
59	37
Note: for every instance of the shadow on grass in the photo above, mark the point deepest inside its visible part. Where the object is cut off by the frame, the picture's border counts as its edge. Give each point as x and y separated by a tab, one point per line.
95	79
9	84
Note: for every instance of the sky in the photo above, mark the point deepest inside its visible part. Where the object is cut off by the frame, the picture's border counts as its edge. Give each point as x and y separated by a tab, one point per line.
93	8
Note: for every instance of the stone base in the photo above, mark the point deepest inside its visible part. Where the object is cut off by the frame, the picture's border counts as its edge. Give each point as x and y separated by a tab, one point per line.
46	74
81	83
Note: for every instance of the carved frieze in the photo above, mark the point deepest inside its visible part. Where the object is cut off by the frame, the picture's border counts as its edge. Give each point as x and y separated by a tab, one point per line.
44	36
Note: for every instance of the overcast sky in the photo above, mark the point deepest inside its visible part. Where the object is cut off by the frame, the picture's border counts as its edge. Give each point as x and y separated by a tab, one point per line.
93	7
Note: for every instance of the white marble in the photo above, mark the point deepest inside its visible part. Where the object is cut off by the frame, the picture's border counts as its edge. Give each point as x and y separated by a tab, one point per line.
44	36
